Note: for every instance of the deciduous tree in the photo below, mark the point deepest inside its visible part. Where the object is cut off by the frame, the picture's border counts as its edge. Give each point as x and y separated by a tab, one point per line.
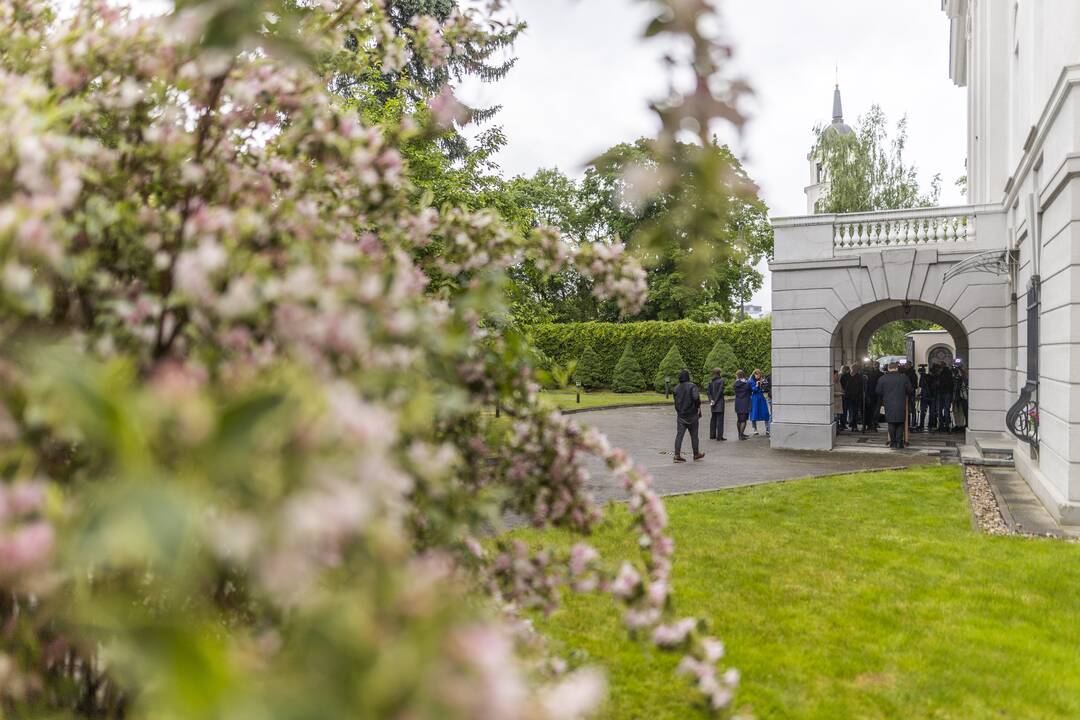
866	170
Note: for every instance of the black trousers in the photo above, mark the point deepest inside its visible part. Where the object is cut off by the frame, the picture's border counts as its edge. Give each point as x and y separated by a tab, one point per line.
851	412
896	434
684	426
945	421
716	425
870	413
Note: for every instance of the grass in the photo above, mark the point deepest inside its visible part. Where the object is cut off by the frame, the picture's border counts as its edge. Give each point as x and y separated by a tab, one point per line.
567	399
857	596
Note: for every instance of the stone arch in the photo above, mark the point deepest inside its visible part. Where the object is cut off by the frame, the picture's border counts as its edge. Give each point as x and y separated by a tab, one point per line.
853	331
915	311
826	308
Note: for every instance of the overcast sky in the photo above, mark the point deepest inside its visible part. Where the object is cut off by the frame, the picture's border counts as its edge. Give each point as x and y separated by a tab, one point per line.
583	78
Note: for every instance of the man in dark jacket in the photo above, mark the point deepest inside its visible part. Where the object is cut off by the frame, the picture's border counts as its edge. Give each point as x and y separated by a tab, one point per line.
853	398
872	401
925	398
743	399
908	371
945	398
895	391
933	383
687	411
716	403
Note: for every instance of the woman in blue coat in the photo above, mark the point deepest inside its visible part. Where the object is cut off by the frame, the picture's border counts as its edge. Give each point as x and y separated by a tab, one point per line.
759	405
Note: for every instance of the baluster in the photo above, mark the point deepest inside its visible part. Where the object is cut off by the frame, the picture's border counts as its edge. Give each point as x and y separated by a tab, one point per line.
950	229
858	235
939	229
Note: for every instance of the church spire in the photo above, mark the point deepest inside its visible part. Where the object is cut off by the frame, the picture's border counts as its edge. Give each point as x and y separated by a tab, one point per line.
838	123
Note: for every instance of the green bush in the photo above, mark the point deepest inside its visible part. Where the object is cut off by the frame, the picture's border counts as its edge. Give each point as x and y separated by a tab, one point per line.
723	357
667	374
650	340
627	377
590	373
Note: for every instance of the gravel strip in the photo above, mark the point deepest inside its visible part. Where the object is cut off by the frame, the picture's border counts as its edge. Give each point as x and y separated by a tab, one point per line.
983	503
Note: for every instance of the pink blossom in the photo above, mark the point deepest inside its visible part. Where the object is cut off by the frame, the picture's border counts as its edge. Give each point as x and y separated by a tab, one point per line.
667	636
23	498
575	696
447	110
25	548
626	583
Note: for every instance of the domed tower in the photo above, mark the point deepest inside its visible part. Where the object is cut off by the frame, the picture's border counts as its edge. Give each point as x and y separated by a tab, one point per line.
819	182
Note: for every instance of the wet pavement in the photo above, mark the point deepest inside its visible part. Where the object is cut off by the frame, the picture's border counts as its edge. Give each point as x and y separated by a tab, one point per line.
648	434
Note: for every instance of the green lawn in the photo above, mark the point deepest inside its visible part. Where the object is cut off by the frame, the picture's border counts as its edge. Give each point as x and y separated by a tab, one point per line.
858	596
567	399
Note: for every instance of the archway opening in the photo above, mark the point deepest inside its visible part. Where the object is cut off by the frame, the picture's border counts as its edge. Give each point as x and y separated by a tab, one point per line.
889	321
920	334
919	342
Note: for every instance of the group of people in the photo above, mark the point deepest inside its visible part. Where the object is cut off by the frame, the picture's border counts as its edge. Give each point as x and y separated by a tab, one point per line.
934	398
752	397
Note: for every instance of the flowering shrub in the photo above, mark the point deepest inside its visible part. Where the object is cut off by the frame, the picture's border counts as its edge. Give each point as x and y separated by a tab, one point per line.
247	469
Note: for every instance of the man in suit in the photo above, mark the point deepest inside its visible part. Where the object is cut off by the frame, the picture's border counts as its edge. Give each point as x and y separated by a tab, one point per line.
895	391
715	391
946	384
853	398
908	371
925	398
872	404
687	411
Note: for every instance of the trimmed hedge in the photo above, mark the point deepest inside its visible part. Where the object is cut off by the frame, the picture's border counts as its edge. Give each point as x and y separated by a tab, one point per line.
751	340
667	374
723	357
627	377
591	371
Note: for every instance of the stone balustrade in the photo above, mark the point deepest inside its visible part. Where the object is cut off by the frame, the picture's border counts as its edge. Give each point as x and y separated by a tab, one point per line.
904	228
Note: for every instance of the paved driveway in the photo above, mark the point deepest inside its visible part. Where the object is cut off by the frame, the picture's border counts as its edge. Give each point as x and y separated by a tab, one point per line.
648	434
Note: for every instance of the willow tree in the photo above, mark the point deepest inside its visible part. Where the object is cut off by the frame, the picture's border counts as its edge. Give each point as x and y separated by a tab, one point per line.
866	169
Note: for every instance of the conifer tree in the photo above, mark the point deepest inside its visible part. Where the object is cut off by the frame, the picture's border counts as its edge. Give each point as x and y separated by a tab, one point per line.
627	377
590	370
723	357
669	369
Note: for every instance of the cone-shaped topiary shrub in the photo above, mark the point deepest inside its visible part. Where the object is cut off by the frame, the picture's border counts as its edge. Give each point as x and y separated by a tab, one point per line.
627	376
723	357
590	370
669	369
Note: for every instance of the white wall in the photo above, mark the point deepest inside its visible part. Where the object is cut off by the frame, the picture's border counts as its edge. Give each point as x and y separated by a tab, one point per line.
1024	153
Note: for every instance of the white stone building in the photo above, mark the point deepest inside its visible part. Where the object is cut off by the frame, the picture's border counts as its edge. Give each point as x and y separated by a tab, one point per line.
1001	274
927	347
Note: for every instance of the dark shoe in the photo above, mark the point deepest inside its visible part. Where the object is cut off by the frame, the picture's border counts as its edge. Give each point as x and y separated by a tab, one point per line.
723	439
742	437
698	456
679	458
